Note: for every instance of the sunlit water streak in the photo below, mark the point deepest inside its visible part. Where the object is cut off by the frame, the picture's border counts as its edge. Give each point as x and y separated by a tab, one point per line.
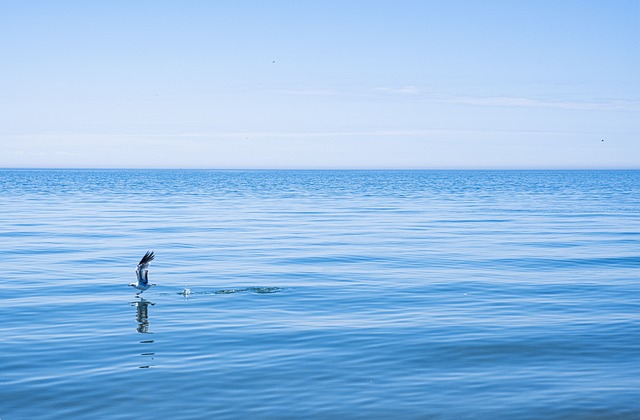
322	294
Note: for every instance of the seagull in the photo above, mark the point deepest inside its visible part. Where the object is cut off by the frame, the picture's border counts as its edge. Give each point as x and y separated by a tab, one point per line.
142	272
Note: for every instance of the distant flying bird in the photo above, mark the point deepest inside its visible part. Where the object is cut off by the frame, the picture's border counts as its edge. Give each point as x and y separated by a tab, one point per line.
142	272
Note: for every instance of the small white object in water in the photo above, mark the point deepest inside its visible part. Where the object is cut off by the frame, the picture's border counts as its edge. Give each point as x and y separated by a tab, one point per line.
185	292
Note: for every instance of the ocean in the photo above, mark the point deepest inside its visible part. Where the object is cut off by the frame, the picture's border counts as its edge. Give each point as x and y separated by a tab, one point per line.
320	294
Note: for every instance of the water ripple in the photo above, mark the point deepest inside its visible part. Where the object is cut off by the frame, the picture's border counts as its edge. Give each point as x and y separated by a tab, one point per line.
381	294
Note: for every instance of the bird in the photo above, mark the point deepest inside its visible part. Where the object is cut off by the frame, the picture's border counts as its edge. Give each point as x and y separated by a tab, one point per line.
142	272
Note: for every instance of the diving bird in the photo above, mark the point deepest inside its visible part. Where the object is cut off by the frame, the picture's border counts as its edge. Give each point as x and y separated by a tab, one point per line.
142	272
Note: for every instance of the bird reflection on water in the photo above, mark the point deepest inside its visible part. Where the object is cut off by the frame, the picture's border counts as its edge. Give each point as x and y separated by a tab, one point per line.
142	318
142	314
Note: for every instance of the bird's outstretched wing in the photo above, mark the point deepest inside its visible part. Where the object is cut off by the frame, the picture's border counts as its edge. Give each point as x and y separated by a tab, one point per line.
142	270
146	260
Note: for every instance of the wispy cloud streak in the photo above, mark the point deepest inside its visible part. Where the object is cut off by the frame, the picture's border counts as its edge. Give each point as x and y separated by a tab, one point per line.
421	94
403	90
524	102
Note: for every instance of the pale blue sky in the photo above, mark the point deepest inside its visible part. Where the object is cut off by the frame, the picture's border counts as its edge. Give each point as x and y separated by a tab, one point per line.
320	84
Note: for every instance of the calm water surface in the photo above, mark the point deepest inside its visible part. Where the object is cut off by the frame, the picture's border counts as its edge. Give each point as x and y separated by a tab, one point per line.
320	294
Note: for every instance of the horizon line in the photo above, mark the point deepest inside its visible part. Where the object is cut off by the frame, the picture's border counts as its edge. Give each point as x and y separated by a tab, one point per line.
199	168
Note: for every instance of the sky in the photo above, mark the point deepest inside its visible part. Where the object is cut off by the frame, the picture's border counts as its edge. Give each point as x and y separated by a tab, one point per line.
233	84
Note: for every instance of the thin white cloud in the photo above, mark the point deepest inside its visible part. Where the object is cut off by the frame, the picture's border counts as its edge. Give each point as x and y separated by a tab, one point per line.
391	90
523	102
473	100
81	139
65	153
309	92
403	90
252	135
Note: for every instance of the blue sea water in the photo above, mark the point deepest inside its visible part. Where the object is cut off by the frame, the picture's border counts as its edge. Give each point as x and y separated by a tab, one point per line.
320	294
